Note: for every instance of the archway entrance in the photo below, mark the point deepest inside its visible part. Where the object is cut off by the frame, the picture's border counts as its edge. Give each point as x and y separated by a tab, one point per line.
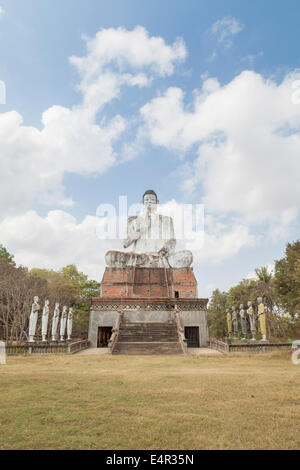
104	334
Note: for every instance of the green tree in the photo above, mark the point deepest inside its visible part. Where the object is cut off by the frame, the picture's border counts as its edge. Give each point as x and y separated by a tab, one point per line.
72	288
88	290
216	315
287	279
246	290
72	274
6	256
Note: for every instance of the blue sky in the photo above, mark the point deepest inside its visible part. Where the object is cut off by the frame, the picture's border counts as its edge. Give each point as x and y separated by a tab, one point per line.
237	65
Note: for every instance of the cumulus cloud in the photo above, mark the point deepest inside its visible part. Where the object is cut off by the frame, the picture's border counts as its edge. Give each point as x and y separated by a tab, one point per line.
55	241
225	29
58	239
225	244
248	138
134	50
207	236
34	161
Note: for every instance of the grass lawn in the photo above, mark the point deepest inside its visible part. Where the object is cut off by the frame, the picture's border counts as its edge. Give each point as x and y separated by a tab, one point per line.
126	402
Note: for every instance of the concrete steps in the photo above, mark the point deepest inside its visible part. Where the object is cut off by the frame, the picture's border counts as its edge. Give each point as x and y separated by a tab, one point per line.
147	339
148	349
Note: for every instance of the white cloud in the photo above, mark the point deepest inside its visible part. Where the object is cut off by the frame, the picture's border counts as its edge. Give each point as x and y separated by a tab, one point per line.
33	162
212	241
58	239
225	29
221	246
129	48
2	13
119	57
55	241
248	138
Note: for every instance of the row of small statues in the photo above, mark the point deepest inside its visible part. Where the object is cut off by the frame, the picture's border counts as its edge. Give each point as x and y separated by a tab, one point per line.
66	321
233	324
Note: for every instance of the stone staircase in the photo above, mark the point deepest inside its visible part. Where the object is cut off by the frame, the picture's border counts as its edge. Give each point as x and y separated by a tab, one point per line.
147	338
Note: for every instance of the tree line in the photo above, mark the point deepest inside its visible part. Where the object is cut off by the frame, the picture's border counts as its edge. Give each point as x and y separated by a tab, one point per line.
18	286
280	291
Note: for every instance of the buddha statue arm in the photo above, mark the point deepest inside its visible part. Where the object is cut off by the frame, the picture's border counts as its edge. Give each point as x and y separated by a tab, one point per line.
170	244
134	231
169	247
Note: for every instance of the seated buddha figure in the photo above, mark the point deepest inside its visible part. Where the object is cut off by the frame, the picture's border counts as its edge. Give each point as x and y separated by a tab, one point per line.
151	236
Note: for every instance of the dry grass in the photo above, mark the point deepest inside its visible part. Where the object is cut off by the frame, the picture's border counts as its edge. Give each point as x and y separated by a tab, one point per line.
119	402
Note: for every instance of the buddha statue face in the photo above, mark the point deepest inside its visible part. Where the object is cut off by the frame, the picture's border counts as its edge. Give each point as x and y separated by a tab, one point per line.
150	200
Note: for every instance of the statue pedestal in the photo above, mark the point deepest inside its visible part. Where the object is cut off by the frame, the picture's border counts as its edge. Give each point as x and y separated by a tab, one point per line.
152	283
149	307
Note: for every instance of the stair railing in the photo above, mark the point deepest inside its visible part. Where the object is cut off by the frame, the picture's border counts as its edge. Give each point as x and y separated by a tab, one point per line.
115	333
219	346
74	348
181	336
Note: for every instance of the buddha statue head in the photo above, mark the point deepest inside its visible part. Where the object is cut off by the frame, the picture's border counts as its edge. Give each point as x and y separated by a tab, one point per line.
150	200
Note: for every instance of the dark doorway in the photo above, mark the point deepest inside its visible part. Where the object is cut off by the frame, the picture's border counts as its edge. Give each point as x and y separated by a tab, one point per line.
104	334
176	294
192	336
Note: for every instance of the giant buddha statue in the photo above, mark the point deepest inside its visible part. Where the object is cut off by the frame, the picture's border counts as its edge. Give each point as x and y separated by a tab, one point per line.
151	236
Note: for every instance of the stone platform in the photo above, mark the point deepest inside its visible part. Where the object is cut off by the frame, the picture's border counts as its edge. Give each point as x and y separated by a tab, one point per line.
148	311
105	312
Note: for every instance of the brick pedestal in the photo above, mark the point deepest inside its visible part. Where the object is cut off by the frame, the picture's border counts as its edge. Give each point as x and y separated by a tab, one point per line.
149	300
149	283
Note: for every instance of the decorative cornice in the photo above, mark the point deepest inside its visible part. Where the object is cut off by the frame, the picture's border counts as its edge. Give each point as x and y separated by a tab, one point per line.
101	304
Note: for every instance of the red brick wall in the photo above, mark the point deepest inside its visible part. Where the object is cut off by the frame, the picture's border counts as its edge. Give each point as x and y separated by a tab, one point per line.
148	283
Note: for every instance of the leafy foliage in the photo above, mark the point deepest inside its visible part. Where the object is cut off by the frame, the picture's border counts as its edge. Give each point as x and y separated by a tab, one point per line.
280	293
18	286
6	256
215	315
287	279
